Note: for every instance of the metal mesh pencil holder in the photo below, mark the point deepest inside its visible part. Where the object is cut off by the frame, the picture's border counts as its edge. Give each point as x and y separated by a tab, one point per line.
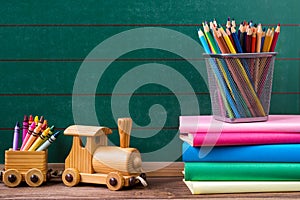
240	85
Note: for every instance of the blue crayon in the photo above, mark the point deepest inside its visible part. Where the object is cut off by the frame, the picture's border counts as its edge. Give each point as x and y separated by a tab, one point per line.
48	142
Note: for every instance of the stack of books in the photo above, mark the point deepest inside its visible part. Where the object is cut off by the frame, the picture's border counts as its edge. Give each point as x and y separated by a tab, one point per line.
241	157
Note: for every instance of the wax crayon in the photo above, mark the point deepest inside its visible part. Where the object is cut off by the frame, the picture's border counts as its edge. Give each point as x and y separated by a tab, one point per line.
41	121
30	120
16	136
25	127
39	140
32	138
30	130
36	120
44	126
50	133
46	144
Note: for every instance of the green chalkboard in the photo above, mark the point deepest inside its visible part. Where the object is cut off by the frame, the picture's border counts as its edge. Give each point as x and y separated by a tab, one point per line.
90	62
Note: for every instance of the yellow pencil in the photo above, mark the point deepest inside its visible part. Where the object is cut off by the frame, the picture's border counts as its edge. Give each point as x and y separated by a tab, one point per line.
271	38
267	41
227	40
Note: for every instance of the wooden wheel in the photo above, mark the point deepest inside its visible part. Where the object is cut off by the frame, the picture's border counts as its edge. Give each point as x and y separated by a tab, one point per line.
71	177
12	178
114	181
34	177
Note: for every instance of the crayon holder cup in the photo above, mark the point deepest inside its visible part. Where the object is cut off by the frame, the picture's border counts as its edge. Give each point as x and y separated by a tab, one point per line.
240	85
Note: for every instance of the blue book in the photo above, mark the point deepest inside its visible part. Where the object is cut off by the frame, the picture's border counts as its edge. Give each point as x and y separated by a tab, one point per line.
250	153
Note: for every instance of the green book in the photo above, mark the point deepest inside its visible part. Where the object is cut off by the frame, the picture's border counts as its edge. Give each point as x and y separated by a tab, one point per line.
236	171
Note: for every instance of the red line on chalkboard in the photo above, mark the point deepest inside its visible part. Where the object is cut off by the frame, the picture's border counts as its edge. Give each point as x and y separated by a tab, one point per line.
107	94
116	25
110	59
96	59
113	128
124	94
286	93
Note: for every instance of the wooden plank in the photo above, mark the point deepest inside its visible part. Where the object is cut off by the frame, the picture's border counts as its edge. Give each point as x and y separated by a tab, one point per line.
158	188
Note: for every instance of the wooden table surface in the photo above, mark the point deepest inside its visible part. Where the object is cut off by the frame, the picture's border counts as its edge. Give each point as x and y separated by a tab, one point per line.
159	188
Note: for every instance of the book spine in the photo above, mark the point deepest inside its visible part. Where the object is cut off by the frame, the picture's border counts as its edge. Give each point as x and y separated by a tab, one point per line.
252	153
206	123
226	139
234	171
216	187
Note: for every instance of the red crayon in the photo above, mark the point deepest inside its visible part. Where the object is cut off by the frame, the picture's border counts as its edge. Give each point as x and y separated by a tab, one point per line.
30	120
30	130
25	127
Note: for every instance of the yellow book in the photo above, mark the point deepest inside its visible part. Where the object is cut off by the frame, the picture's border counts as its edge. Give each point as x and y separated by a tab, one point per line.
223	187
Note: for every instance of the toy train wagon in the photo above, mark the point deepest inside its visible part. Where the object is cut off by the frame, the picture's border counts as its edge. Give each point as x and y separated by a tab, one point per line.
95	162
30	166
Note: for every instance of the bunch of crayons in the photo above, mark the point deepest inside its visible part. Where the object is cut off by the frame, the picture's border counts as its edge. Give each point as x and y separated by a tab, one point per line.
240	80
250	38
36	135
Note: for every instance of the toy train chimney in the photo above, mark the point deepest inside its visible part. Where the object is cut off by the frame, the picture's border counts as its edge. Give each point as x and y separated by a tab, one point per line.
124	126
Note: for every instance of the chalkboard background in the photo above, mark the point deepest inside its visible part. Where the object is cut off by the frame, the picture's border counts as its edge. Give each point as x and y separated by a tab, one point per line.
45	44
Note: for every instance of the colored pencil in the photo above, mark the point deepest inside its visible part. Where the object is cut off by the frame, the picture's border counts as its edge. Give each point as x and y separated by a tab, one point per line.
209	39
275	38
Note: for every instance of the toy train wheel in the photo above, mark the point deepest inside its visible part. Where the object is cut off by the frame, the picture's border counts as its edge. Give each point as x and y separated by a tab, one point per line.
114	181
12	178
71	177
34	177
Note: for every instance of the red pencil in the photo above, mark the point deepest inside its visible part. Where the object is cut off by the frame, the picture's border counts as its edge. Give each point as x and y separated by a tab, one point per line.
275	38
248	40
253	42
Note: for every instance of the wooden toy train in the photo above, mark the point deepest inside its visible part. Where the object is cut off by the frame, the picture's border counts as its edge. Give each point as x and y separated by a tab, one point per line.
94	162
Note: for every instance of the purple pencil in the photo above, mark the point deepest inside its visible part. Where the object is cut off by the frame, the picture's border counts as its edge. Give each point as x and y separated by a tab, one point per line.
25	127
16	137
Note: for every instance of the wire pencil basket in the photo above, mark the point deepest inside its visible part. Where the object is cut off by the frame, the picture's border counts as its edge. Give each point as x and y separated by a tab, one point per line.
240	85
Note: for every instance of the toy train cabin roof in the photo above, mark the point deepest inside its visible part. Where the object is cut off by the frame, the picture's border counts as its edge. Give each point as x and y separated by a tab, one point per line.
89	131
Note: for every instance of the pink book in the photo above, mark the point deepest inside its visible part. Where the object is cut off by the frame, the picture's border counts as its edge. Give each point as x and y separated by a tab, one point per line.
228	139
206	123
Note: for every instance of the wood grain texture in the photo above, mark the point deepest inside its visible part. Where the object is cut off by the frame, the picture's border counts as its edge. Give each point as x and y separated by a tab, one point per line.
158	188
26	160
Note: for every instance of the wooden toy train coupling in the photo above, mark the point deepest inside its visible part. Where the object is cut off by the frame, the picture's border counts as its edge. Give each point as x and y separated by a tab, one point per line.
94	162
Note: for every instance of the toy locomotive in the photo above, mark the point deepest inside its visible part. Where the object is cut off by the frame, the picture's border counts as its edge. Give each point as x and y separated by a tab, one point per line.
101	164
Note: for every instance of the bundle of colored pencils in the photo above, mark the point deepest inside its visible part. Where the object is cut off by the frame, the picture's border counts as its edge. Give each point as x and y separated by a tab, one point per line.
250	38
242	81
